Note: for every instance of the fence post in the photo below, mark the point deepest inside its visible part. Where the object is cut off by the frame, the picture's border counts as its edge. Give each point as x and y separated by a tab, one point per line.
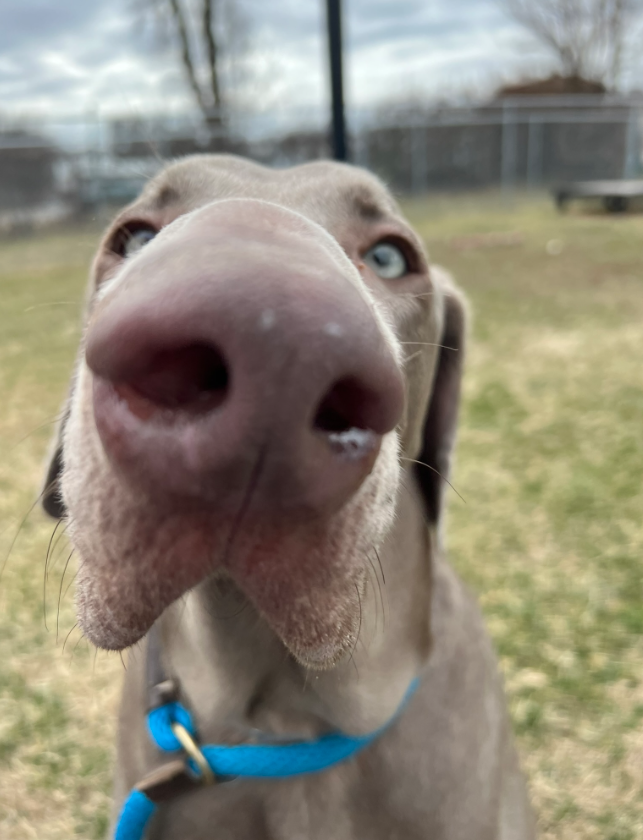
508	151
418	158
631	158
535	152
360	146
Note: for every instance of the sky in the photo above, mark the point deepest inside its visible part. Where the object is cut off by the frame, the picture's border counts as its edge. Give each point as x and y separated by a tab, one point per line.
68	57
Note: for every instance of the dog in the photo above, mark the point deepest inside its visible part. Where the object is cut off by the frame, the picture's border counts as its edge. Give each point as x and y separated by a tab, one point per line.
252	464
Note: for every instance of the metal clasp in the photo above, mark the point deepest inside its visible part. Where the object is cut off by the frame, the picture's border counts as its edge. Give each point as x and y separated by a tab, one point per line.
191	747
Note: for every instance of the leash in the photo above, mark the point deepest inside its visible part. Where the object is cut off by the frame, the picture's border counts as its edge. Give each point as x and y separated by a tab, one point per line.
172	730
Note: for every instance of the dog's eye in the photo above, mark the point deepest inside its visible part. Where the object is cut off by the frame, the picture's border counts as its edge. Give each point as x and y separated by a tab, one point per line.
137	239
387	261
129	239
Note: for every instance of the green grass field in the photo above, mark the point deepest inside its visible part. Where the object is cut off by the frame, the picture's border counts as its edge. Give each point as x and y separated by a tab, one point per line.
550	463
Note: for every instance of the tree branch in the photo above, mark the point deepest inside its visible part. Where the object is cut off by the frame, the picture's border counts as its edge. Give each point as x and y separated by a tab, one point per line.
586	36
186	56
209	37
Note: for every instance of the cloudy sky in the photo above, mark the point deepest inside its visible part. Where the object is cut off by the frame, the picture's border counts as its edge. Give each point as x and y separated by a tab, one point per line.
77	56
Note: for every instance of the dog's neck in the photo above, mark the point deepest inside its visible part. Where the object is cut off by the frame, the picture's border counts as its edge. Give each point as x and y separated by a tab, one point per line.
236	675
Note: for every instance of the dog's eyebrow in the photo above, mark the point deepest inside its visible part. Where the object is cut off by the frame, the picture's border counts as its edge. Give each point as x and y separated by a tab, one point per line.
164	197
367	208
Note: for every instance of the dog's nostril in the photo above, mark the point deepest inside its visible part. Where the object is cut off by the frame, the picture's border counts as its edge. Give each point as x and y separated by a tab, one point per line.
193	378
344	407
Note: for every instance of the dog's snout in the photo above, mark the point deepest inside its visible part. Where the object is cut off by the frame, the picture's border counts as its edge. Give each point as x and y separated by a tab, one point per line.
200	365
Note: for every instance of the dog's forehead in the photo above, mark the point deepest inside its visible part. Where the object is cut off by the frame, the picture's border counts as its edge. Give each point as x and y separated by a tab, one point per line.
329	193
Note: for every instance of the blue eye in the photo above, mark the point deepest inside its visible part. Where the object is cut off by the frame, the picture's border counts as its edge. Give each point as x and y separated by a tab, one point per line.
137	239
387	261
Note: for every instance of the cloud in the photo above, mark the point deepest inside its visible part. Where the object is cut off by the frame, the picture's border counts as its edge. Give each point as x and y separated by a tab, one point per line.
77	56
81	55
31	23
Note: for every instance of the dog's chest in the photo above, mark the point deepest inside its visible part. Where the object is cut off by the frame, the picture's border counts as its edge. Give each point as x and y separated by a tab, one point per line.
340	804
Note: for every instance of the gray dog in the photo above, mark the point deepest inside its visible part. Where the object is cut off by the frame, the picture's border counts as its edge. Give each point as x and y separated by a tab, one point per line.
252	467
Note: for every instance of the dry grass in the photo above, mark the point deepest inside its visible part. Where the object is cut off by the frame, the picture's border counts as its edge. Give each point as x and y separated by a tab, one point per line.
550	463
56	706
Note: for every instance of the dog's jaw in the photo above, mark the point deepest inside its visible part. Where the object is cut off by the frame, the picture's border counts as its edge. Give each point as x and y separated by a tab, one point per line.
135	560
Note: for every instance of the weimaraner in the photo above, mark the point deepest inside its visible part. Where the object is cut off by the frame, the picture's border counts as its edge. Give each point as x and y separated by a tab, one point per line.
252	467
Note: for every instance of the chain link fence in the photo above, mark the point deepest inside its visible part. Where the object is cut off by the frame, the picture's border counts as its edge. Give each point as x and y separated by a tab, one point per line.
530	142
60	166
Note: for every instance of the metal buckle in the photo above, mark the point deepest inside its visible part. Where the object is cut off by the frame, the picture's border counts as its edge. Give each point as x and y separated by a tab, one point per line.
206	776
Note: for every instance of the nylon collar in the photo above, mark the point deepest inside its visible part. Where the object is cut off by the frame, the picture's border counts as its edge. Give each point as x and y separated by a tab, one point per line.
172	730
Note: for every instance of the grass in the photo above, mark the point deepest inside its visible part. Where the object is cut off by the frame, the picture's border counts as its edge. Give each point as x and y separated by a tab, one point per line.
56	707
550	462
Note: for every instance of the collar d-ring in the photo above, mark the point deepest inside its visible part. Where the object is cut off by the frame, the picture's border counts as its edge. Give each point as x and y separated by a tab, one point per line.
191	747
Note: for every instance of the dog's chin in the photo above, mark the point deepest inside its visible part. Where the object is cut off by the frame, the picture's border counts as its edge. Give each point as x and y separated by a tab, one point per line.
110	626
103	632
319	644
327	656
318	629
101	629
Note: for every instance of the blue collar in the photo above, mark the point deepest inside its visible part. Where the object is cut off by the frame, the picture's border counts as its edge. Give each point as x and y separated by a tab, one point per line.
252	761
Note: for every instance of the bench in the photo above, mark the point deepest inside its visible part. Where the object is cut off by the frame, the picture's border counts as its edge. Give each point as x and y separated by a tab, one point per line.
616	196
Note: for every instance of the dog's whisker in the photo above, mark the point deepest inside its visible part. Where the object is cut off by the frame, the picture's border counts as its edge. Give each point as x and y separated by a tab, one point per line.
44	575
236	524
218	617
354	664
359	626
371	570
55	557
421	295
51	303
51	547
305	685
379	560
60	590
68	635
381	588
184	605
71	583
80	639
245	503
21	526
437	472
413	356
43	425
135	652
379	599
429	344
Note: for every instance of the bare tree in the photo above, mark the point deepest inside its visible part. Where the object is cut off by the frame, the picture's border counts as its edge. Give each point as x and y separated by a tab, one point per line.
587	37
212	37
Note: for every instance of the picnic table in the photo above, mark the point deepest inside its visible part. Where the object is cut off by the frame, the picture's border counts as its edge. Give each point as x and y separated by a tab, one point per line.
615	195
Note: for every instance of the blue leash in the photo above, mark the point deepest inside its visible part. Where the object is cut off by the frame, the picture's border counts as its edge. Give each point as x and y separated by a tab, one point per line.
250	761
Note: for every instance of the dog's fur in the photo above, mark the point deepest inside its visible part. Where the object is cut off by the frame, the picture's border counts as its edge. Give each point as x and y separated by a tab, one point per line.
356	609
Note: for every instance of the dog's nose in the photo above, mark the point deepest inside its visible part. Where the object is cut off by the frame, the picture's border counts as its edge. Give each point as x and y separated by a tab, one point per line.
239	345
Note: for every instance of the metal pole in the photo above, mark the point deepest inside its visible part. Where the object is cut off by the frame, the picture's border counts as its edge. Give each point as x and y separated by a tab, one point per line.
334	19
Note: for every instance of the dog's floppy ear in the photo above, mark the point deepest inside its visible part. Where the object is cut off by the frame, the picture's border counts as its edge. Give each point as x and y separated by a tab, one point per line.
50	497
442	413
